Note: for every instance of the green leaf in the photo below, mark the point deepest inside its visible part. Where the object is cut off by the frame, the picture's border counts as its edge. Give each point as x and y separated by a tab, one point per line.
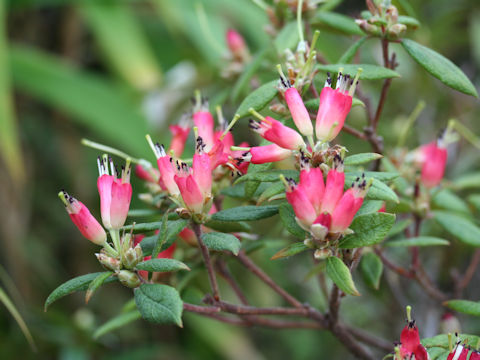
442	340
258	99
341	276
362	158
173	229
378	190
370	72
272	190
287	215
5	300
351	51
409	21
222	242
369	229
371	267
96	283
247	74
369	206
159	304
445	199
464	306
149	226
115	29
246	213
459	227
268	176
418	241
399	226
290	250
474	200
79	283
116	323
228	226
162	265
440	67
467	181
335	21
91	100
378	175
287	38
161	237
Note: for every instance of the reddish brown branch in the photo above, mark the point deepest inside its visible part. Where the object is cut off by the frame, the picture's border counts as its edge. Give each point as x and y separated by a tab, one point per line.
250	265
472	267
208	263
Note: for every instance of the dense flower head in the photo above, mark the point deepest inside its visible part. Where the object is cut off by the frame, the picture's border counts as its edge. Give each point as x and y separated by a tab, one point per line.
324	208
83	219
115	192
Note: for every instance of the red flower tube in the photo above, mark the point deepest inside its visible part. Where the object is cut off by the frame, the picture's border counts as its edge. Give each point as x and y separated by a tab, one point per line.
302	207
115	193
311	181
83	219
334	186
297	108
204	122
434	160
274	131
335	104
266	153
180	135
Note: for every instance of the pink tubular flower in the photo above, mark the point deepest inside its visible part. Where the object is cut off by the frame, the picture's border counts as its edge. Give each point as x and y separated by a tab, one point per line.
302	207
203	120
115	193
165	167
410	346
83	219
191	194
434	160
266	153
335	104
202	169
236	44
295	104
334	186
180	135
147	174
348	205
274	131
460	352
311	181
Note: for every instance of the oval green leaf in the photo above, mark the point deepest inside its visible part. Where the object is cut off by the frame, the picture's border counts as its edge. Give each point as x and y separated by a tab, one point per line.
258	99
116	323
418	241
370	72
362	158
159	304
96	283
267	176
338	22
371	268
464	306
459	227
173	229
162	265
79	283
369	229
290	250
440	67
351	51
246	213
287	215
228	226
221	242
341	276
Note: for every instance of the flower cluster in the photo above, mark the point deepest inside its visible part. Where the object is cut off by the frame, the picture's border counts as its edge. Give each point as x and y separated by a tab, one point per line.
324	209
335	104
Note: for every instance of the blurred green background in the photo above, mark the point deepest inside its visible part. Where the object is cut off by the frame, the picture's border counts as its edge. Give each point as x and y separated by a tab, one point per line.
111	71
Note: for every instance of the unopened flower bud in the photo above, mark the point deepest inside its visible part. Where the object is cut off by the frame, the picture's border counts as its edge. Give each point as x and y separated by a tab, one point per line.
392	13
130	259
369	28
128	278
108	262
396	30
321	254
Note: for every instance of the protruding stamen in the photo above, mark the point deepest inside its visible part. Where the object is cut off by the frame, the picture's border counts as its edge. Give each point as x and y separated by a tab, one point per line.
230	125
64	197
152	146
338	163
285	83
328	81
409	313
200	146
239	148
220	118
351	92
256	114
304	161
112	167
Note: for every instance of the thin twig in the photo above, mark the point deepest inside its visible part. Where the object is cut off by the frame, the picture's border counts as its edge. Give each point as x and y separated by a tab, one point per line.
465	280
369	339
201	309
250	265
354	132
208	263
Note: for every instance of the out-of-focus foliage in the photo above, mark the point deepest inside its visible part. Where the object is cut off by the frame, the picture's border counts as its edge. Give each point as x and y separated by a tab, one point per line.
114	70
